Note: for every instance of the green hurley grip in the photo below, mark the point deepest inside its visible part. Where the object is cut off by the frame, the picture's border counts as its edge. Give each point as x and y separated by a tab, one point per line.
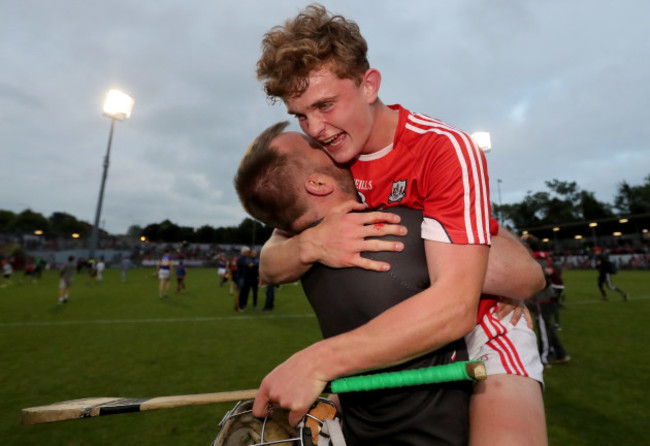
464	370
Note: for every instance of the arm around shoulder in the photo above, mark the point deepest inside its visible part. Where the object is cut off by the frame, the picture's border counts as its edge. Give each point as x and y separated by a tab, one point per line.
512	271
281	259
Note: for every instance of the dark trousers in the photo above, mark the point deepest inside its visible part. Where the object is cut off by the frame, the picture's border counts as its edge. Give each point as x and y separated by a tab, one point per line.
270	297
606	279
548	333
242	298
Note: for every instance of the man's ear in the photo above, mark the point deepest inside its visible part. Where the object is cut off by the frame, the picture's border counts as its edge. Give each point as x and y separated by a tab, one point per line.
319	184
370	83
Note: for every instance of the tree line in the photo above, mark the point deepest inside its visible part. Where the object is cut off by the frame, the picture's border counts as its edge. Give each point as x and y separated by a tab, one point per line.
61	224
562	202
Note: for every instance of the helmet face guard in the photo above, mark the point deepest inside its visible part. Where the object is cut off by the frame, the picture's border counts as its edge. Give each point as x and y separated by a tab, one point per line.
240	428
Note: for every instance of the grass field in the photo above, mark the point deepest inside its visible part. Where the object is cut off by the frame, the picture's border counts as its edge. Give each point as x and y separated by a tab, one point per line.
120	339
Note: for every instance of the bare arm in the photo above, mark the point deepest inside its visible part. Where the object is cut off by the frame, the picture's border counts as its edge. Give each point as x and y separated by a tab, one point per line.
425	322
512	272
336	242
280	259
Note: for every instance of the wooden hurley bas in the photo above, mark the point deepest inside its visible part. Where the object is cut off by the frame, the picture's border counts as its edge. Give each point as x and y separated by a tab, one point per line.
100	406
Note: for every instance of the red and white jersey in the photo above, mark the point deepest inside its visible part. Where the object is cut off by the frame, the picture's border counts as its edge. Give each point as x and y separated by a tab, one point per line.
434	167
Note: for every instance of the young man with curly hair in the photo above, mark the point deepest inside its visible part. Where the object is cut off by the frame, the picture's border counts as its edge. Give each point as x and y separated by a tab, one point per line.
316	64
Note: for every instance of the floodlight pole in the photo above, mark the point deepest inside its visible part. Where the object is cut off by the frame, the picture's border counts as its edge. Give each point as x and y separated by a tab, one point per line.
499	190
95	232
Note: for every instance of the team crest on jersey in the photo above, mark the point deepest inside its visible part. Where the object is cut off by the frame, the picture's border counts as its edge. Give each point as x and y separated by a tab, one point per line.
398	192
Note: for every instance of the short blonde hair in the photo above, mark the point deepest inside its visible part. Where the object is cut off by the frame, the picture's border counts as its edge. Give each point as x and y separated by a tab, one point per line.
264	182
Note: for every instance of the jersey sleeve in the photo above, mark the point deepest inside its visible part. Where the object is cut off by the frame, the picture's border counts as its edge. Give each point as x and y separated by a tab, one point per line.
456	191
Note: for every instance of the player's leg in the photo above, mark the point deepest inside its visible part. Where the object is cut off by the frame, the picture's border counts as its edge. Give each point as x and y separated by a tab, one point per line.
601	282
163	286
254	288
62	290
507	410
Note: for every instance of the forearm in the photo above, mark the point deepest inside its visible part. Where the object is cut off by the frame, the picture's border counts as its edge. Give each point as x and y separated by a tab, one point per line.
443	313
282	259
511	270
336	242
415	327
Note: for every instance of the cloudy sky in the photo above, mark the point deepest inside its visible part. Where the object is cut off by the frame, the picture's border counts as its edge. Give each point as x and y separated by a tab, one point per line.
563	87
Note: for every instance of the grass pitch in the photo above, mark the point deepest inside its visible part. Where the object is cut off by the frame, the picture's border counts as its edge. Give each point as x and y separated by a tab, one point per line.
120	339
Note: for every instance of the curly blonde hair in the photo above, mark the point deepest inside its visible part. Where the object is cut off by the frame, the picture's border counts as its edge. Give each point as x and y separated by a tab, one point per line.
306	43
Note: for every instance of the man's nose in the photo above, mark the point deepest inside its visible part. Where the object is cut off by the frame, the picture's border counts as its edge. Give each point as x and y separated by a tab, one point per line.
316	126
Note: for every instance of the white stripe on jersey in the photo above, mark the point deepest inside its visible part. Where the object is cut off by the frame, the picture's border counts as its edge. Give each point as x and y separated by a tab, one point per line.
478	175
475	157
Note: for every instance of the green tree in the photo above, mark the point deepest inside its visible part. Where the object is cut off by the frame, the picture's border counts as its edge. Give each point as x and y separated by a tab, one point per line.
151	232
206	234
632	200
64	224
135	232
169	232
592	209
29	221
563	202
6	220
186	234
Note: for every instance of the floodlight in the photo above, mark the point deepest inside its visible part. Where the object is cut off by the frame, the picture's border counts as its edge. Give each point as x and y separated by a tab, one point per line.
118	105
482	140
593	224
623	220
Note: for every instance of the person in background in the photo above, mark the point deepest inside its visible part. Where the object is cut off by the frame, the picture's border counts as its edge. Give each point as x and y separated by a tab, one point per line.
39	266
125	265
101	266
181	272
269	303
249	278
164	272
232	275
7	272
544	305
222	269
606	268
65	282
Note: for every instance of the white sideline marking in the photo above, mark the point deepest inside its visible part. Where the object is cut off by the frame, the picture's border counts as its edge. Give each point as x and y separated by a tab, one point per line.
612	297
152	321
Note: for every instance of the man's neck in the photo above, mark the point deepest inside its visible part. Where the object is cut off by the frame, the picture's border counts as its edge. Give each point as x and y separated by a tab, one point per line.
383	128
